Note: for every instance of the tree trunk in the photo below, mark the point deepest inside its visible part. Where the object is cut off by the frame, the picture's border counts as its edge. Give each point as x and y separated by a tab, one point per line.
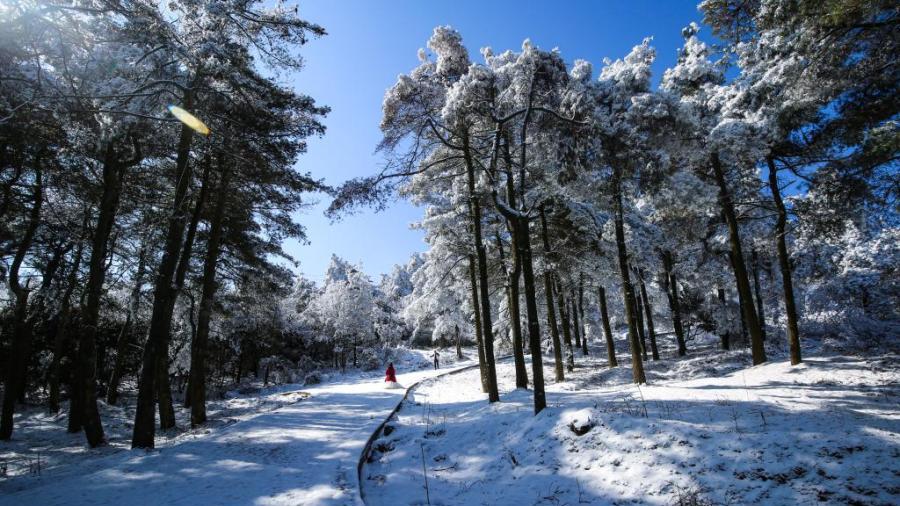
534	330
163	298
758	351
584	342
61	328
607	329
637	365
784	262
724	334
576	322
639	310
567	330
512	302
648	308
459	353
757	292
551	311
476	311
487	333
21	341
670	285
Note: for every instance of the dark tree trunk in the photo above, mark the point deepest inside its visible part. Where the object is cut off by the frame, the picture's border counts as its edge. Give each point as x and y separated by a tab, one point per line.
523	242
61	328
567	330
648	308
476	311
487	333
670	285
512	302
21	341
551	311
607	329
758	351
163	298
459	353
784	262
637	364
113	172
639	310
584	343
576	322
724	334
757	292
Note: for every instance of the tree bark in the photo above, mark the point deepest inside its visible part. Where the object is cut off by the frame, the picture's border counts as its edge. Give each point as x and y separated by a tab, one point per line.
758	351
670	285
724	335
21	342
197	379
476	310
551	311
487	333
164	297
61	328
567	330
637	364
648	308
607	329
584	343
757	292
639	311
512	302
784	262
523	242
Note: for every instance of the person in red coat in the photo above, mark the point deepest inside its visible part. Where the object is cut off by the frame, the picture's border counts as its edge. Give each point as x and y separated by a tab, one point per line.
390	376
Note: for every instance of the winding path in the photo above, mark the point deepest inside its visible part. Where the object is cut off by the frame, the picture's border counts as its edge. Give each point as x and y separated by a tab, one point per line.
306	453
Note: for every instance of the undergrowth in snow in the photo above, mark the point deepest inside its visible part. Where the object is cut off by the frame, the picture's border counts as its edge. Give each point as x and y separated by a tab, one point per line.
708	429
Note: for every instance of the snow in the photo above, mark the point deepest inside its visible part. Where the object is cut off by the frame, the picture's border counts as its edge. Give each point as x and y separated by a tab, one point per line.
709	428
302	453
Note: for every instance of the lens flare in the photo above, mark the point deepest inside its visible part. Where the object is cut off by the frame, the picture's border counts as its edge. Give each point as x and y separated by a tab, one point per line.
189	119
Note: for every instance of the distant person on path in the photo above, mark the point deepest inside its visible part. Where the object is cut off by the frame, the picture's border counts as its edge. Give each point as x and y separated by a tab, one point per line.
390	376
437	361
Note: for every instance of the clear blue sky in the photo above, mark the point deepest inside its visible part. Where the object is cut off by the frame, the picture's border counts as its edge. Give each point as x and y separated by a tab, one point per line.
370	42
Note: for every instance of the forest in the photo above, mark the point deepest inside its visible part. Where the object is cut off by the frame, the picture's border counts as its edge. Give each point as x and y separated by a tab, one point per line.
738	211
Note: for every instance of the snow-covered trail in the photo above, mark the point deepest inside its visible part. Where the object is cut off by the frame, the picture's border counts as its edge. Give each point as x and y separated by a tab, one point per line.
302	454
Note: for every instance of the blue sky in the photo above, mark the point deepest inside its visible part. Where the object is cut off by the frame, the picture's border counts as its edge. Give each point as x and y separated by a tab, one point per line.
370	42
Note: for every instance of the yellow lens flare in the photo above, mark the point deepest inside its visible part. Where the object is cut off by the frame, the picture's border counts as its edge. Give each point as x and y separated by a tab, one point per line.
189	119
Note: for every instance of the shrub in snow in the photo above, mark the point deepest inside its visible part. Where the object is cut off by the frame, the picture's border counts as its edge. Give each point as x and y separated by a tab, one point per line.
580	422
312	378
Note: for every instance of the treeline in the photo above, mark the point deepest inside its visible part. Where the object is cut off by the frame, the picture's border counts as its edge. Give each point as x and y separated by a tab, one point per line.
758	207
126	237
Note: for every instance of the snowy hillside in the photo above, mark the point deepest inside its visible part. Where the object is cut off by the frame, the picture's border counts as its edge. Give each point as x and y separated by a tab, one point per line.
702	432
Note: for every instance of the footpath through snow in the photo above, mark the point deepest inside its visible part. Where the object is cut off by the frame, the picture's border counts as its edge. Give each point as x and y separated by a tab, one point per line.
305	453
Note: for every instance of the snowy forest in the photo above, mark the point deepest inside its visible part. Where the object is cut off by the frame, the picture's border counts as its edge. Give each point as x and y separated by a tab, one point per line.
635	287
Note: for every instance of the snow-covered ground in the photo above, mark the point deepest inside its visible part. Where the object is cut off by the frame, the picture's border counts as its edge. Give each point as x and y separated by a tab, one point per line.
290	444
708	429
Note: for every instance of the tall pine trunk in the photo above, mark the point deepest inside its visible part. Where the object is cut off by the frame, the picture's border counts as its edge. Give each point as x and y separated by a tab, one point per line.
784	262
584	343
670	285
164	297
648	308
757	292
17	362
607	329
551	311
523	242
567	329
637	364
197	381
724	334
639	311
61	328
758	351
487	332
476	311
512	302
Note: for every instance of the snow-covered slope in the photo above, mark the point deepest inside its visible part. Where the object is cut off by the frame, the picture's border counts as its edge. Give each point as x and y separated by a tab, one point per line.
709	429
